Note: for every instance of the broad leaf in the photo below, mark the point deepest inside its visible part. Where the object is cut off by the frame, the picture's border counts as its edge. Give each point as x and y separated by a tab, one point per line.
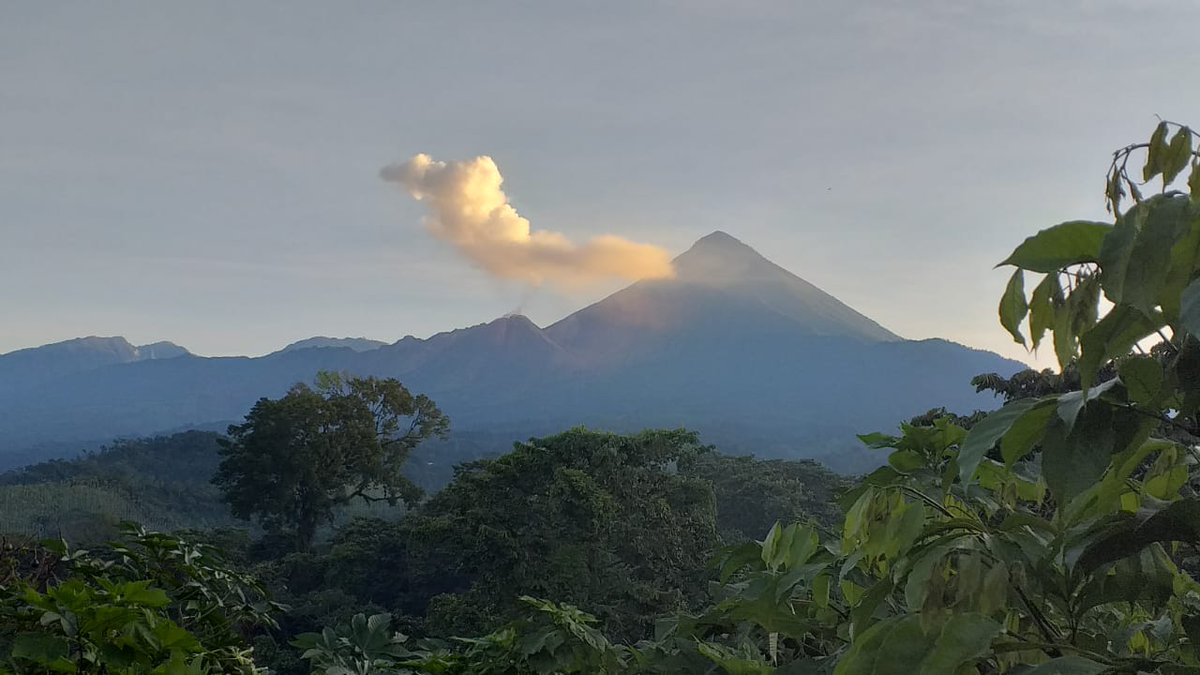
878	440
1178	521
1069	243
1179	151
1073	461
1156	153
984	435
1114	336
1143	379
1013	306
1145	270
1189	309
1026	431
1071	403
1047	295
41	648
1068	665
901	646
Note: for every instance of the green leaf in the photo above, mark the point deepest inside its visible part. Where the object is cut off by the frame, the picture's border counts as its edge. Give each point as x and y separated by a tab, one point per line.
1189	309
1075	316
1167	221
1191	626
1113	336
1069	466
906	461
820	589
1142	377
795	545
1069	243
1047	295
1123	466
986	432
917	586
1179	151
732	662
862	615
770	544
993	592
1013	307
1068	665
41	648
877	440
1112	190
1074	461
733	559
140	593
1117	246
1194	181
1178	521
1066	341
1185	261
1026	431
1071	403
1157	152
900	646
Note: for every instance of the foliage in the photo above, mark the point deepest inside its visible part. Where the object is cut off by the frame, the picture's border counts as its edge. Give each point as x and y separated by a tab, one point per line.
296	459
595	519
1052	536
162	482
151	603
187	456
752	494
552	638
1048	537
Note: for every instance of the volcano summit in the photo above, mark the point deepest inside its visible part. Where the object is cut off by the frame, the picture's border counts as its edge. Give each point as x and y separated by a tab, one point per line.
734	346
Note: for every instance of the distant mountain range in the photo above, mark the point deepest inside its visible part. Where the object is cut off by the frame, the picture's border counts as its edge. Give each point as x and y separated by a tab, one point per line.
751	355
357	344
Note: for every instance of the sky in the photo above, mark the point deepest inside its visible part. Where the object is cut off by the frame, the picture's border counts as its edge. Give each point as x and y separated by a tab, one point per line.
209	173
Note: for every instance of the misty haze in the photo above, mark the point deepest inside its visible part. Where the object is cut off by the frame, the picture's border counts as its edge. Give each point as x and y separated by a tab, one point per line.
663	337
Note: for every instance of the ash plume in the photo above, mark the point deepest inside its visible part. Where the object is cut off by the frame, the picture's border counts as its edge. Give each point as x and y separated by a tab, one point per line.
468	209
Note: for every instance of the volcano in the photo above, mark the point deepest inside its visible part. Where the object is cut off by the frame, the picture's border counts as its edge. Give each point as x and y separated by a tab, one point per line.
754	357
722	288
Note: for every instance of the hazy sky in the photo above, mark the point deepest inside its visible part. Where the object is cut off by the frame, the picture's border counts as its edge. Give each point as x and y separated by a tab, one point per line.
208	173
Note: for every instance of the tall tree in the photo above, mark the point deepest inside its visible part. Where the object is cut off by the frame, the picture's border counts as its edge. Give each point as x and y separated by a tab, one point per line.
297	458
601	520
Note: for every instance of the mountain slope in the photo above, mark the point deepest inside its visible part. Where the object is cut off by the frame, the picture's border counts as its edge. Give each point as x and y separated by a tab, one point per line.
37	364
358	344
722	287
754	357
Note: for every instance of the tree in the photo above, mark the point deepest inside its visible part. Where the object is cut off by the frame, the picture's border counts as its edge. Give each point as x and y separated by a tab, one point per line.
297	458
599	520
751	494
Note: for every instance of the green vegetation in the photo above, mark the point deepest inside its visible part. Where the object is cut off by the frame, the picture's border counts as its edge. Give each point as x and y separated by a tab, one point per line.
160	482
600	520
1055	535
152	603
296	459
1050	537
753	494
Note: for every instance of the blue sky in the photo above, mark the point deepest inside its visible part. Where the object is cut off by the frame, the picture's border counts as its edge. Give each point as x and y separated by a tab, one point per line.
208	173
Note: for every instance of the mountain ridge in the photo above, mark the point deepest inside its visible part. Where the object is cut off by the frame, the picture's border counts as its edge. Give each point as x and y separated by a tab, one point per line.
751	355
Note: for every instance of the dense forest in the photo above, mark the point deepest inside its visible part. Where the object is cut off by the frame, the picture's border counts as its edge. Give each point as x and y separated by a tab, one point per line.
1055	535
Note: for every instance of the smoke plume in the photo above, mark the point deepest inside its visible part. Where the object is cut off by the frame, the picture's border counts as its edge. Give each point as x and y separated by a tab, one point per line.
468	209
